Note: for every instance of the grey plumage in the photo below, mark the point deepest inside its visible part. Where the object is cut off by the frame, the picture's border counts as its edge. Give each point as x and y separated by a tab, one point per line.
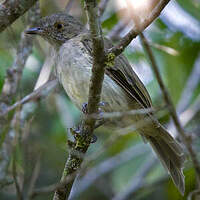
122	89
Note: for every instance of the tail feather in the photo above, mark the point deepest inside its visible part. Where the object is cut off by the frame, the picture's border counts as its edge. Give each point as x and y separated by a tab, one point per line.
171	155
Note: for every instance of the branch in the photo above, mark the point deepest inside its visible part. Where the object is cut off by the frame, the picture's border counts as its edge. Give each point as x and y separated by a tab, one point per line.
172	110
126	40
114	137
69	6
11	84
82	140
41	92
12	10
14	73
111	115
14	172
34	177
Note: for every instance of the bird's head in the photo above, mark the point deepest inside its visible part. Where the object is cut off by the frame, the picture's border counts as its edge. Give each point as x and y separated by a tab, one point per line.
57	28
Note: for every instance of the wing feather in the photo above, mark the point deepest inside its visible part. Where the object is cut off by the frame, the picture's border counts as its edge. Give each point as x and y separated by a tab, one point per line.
123	74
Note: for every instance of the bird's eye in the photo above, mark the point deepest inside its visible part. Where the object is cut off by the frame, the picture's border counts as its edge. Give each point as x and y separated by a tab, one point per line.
58	25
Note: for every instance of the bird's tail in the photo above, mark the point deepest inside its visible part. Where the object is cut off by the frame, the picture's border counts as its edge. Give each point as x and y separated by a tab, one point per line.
171	155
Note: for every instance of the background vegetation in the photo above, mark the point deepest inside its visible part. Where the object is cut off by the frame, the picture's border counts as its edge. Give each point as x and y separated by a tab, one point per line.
33	136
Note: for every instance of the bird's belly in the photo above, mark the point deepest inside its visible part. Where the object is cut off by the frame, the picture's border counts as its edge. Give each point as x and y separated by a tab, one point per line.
77	87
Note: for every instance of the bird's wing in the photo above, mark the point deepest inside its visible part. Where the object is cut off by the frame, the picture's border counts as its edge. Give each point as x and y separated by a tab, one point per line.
123	74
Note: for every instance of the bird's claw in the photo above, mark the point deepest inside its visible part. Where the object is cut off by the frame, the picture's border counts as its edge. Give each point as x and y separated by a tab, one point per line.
74	131
101	104
84	108
94	138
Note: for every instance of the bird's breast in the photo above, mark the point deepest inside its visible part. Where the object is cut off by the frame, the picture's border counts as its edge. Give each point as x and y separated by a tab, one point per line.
74	65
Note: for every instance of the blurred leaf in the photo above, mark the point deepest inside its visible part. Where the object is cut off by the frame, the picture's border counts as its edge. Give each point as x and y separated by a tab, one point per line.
110	21
123	142
192	6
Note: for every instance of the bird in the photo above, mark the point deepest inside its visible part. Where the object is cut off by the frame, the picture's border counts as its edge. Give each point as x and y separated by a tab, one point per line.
122	90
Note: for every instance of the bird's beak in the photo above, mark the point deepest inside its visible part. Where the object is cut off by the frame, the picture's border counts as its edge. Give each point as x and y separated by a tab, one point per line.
35	30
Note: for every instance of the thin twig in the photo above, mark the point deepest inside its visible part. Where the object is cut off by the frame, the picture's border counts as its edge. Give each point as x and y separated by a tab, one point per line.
24	49
14	74
41	92
12	81
172	110
34	178
19	193
112	139
112	115
12	10
69	6
126	40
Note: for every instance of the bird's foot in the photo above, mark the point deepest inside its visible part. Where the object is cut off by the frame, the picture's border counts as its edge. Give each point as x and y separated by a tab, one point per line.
84	108
94	138
99	120
101	104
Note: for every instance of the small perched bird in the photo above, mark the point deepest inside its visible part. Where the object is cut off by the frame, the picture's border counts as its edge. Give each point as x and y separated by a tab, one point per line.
122	89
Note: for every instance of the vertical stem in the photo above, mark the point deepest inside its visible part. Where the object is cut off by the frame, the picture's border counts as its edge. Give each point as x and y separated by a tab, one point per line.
172	110
82	140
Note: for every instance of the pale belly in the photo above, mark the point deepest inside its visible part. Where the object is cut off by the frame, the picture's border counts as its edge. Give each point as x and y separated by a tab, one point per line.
77	89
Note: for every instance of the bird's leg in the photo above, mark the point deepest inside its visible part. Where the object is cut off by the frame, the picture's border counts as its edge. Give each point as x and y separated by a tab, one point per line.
101	104
100	121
